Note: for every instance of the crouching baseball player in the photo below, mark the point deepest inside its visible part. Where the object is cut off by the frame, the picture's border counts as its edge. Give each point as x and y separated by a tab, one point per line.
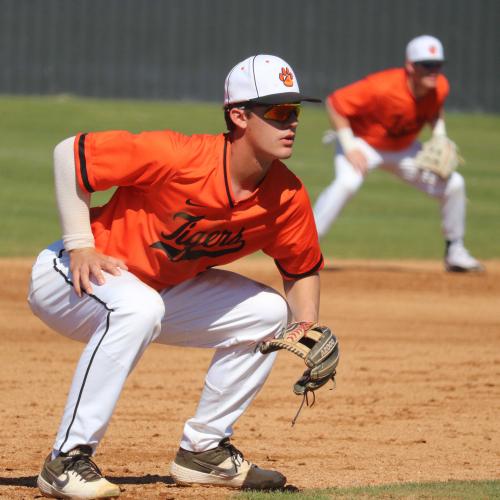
140	269
378	120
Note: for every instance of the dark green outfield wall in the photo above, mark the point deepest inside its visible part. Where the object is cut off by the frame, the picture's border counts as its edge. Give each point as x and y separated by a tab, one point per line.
182	49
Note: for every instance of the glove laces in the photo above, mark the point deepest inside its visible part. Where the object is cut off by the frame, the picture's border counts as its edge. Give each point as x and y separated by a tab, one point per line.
305	399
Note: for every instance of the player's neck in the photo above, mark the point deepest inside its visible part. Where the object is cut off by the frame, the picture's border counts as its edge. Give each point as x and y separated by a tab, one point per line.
247	169
418	91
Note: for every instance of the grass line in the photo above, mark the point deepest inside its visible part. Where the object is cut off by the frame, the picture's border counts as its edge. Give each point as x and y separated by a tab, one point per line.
460	490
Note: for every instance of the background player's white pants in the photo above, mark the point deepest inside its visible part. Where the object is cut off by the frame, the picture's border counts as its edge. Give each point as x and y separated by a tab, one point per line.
217	309
450	192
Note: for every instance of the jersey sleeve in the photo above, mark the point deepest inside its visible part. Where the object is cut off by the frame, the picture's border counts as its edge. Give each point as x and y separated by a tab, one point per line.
120	158
295	248
443	90
353	99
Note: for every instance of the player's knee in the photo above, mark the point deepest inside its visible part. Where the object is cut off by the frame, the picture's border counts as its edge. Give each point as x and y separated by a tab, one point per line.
456	185
349	184
150	311
142	314
273	312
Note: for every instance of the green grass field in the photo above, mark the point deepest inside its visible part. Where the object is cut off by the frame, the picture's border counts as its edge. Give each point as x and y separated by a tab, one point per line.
385	220
457	490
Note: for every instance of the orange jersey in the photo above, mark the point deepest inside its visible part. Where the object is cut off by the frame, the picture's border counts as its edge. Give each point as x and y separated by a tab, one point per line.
173	214
382	110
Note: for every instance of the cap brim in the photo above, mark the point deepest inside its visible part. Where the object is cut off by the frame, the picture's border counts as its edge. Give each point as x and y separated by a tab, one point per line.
442	61
283	98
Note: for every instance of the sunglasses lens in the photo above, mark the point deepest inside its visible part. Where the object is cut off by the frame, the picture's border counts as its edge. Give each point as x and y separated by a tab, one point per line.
431	65
282	112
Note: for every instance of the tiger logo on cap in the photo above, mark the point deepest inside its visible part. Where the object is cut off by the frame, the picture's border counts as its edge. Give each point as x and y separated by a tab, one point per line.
286	76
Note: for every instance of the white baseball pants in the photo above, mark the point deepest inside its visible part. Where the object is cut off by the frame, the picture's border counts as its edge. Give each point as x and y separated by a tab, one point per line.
218	309
450	192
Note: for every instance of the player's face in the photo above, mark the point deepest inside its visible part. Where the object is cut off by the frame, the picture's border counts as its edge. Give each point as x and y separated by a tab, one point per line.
271	129
425	74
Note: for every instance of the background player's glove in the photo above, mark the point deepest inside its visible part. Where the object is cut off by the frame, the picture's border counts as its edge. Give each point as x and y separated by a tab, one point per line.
439	155
316	345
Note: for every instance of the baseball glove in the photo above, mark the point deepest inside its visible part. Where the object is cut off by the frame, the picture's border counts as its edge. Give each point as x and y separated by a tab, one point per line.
439	155
317	346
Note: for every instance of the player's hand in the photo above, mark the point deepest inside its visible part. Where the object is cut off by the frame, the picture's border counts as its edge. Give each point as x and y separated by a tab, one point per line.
358	160
86	263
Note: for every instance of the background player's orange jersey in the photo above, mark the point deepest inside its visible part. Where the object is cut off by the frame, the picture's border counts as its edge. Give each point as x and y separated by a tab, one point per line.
174	214
382	110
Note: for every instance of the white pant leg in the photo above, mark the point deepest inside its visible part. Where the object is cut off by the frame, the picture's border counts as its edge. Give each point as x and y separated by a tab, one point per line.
453	208
118	322
218	309
449	192
226	311
346	183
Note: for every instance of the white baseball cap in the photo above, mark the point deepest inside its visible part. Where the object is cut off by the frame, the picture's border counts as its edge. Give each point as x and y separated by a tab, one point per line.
424	48
263	79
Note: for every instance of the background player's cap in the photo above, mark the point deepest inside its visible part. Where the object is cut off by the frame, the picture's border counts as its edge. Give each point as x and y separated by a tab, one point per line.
263	79
424	48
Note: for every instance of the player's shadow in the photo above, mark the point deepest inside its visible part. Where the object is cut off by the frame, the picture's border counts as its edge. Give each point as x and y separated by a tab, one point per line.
147	479
30	481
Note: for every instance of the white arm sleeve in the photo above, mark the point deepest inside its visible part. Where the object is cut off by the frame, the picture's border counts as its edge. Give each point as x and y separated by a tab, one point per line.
346	139
72	202
439	128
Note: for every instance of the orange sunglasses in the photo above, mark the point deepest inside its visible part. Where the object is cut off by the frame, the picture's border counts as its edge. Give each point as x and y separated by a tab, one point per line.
281	112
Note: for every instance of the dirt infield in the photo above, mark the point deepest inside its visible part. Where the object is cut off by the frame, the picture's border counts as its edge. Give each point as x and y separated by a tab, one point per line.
417	395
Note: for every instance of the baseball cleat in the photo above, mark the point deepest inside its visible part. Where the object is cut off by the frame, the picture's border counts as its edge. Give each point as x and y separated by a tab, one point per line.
74	475
223	466
458	259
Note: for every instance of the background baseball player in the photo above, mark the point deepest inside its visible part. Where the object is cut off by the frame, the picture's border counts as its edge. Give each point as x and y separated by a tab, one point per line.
378	120
140	269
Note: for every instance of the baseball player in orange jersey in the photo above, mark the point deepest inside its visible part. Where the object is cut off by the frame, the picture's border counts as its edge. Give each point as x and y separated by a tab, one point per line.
378	120
140	269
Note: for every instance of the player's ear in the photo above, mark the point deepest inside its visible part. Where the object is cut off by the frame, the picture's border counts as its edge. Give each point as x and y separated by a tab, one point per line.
239	117
410	68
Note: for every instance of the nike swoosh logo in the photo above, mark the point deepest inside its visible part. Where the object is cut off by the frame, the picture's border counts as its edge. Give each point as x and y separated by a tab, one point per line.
192	203
233	472
60	483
